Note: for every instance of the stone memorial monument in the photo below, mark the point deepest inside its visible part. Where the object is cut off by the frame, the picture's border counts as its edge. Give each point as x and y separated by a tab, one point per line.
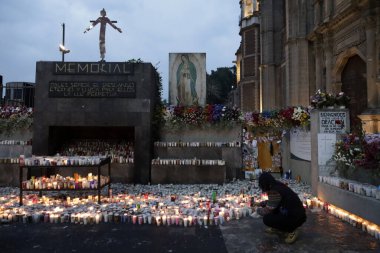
111	101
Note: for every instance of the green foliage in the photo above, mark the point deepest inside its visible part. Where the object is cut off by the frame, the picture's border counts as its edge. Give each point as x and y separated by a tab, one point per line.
13	124
159	109
219	83
356	152
323	99
135	61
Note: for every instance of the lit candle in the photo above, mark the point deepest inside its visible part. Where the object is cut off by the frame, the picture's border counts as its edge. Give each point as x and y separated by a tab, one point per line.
36	218
158	220
221	218
85	217
230	214
216	220
205	218
134	219
199	220
237	213
52	216
145	218
185	221
190	220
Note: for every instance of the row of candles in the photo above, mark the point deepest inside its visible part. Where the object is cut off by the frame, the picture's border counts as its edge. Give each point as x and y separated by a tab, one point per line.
15	142
218	217
210	214
58	182
122	159
60	160
194	161
119	151
356	221
209	206
145	208
9	160
197	144
353	186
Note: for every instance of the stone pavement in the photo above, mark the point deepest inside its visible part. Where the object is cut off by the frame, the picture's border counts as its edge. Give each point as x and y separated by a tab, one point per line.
321	233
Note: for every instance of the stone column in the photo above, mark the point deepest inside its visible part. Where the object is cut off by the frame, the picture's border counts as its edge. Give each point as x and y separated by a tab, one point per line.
377	60
317	17
372	91
378	93
328	61
318	65
314	170
327	10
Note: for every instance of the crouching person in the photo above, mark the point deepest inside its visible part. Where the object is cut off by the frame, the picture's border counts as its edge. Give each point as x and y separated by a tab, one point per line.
283	212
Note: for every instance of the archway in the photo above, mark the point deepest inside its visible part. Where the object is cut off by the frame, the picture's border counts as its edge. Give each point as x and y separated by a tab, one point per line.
354	84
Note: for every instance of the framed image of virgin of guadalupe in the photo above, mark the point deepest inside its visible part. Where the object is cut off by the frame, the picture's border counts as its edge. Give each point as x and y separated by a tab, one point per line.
187	79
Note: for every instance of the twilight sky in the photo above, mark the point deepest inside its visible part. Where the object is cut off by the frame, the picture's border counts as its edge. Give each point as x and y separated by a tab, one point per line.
31	31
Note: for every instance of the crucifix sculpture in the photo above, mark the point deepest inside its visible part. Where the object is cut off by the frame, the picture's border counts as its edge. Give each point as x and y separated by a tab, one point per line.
103	20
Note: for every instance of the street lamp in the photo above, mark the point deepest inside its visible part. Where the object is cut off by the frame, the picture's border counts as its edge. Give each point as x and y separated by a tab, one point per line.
62	47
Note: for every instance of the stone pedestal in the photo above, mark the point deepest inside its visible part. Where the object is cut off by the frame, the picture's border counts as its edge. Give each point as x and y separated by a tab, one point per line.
325	122
371	121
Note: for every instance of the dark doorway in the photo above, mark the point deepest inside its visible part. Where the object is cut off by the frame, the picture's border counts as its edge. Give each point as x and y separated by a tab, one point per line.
354	84
60	136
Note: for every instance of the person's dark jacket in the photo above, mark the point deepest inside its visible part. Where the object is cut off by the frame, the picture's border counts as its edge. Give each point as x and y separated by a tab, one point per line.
290	203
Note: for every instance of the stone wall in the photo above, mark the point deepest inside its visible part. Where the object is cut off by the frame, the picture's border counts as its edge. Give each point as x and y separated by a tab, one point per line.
9	172
199	174
134	111
188	174
211	134
366	207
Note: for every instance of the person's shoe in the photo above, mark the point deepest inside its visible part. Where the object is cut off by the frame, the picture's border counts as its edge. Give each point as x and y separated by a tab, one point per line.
291	237
272	231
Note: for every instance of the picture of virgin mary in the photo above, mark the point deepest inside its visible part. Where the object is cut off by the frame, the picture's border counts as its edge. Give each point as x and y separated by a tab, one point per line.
186	81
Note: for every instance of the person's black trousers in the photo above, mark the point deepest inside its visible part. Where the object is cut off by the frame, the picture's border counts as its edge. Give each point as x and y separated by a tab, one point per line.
286	223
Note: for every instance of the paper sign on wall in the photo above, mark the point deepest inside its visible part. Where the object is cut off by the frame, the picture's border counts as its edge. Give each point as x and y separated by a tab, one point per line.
326	147
333	122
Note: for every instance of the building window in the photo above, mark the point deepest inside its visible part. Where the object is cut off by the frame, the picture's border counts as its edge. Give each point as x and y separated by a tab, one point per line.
249	66
249	42
248	8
